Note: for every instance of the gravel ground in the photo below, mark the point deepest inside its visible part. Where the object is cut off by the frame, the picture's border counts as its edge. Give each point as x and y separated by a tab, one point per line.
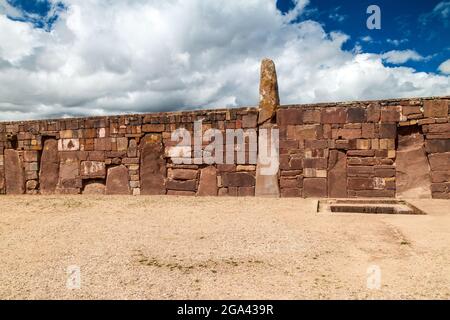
221	248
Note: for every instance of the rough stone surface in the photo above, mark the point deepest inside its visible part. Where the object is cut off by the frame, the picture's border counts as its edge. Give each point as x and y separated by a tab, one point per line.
49	168
315	187
14	174
117	181
238	179
93	169
268	91
412	168
208	182
337	175
94	188
153	166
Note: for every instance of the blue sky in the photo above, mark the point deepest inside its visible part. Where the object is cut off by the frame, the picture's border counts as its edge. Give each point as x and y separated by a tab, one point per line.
406	25
73	57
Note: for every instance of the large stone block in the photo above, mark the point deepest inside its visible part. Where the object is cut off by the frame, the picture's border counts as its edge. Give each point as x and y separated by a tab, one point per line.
268	92
182	174
388	131
356	115
208	182
182	185
94	188
117	181
49	168
437	146
238	179
361	183
289	116
435	108
153	166
337	174
304	132
14	173
68	144
439	161
391	113
315	188
93	169
334	115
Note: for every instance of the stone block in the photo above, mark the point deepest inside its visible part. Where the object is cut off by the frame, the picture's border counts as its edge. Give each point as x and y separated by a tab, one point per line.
439	161
153	128
311	116
304	132
246	192
238	179
93	169
315	188
94	188
117	181
360	183
289	116
208	182
373	112
391	114
182	185
30	156
122	144
435	108
437	146
356	115
182	174
249	121
68	144
334	115
388	131
337	174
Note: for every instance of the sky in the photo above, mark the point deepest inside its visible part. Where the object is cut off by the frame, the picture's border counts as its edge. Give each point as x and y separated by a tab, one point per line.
64	58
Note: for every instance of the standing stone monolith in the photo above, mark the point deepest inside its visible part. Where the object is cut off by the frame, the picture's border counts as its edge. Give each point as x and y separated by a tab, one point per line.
49	173
269	100
267	184
14	173
153	166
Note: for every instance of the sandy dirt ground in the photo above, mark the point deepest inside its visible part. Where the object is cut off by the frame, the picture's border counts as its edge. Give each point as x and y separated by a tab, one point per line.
222	248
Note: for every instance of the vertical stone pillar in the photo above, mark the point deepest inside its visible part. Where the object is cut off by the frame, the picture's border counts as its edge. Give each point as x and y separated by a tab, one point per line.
14	173
267	184
153	165
49	173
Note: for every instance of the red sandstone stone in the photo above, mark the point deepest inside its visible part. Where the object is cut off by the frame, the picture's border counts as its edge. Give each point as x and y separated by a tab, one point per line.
117	181
49	172
182	185
208	182
360	183
291	193
153	166
238	179
289	116
337	174
182	174
437	146
334	115
391	113
436	108
439	161
356	115
388	131
153	128
14	173
246	192
315	187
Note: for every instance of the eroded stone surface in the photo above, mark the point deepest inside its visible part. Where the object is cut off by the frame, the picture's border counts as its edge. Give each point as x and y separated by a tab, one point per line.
14	174
49	171
269	100
94	188
153	166
117	181
208	182
337	174
412	168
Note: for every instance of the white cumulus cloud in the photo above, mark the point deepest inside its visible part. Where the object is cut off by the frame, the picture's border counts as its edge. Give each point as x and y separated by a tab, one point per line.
445	67
108	57
401	56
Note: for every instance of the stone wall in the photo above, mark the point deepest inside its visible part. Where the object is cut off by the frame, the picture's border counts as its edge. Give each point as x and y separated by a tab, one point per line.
358	149
391	148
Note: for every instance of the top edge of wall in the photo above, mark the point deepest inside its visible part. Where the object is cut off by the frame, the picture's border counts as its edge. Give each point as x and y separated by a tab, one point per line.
243	109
